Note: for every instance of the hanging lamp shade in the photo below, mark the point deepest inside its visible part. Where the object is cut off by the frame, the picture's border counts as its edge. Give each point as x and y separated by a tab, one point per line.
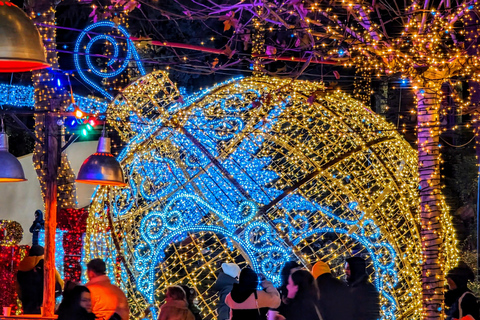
21	46
10	168
101	168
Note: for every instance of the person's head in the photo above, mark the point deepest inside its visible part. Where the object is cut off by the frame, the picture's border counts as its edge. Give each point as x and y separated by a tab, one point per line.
246	286
75	300
459	276
69	286
38	215
301	285
287	270
248	279
36	251
231	269
95	268
355	267
320	268
175	293
190	293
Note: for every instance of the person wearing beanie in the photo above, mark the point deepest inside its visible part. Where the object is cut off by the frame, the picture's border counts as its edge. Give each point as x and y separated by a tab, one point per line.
223	285
335	301
365	297
248	303
29	280
460	302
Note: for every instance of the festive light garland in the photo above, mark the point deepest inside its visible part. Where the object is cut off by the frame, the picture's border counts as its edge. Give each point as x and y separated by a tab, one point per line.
59	252
10	257
131	54
11	233
255	171
73	223
22	97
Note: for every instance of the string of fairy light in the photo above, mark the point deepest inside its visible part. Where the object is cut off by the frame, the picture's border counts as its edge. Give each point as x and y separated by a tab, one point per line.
402	54
45	91
341	52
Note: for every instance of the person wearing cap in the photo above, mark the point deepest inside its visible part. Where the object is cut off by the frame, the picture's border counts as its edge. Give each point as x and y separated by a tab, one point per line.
223	285
335	302
29	280
460	302
108	300
366	299
248	303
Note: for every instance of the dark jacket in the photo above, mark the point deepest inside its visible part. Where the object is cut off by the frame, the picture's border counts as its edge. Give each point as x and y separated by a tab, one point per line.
365	297
223	286
468	304
335	302
461	297
296	309
80	314
195	310
30	284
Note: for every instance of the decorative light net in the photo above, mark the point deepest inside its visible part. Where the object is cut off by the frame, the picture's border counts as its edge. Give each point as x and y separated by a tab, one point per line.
259	171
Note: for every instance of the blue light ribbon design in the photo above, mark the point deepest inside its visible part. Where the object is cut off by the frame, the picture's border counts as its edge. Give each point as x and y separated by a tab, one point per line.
132	54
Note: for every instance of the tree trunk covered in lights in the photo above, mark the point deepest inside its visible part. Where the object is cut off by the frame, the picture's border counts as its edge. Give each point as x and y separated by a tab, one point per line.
48	93
53	170
428	103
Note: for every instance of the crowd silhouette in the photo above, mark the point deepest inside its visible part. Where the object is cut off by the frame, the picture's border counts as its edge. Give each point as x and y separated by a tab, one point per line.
243	294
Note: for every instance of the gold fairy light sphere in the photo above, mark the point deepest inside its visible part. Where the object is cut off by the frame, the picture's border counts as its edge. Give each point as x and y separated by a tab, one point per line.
261	171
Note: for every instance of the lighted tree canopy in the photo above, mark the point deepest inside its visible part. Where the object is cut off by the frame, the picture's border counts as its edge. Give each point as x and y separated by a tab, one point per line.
261	171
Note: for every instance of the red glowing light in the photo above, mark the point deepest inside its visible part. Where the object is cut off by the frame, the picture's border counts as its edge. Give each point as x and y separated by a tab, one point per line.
21	65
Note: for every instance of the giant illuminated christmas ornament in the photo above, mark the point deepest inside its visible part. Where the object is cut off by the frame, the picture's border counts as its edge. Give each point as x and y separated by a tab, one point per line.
260	171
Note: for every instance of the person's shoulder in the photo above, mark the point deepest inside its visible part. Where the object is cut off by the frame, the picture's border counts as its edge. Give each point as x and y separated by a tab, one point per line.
336	282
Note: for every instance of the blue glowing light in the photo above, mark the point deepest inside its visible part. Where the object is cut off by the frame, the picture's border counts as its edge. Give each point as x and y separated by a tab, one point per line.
23	97
177	207
59	252
17	96
132	55
183	210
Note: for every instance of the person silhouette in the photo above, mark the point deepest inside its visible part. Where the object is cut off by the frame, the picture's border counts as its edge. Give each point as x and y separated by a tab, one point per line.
37	226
